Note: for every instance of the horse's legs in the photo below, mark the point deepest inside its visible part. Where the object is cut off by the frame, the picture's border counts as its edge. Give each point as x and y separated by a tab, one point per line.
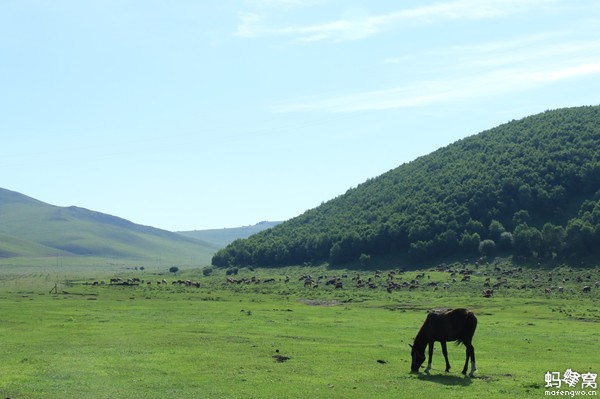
464	371
471	355
445	352
430	356
473	366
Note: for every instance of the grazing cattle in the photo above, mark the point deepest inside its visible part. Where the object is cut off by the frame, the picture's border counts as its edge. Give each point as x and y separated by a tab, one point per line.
445	325
487	293
333	282
587	288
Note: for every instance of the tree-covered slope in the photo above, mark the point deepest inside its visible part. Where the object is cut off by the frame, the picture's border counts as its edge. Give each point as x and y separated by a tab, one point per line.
29	227
529	186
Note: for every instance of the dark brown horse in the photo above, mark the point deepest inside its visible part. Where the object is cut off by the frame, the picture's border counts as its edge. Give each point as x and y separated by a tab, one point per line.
445	325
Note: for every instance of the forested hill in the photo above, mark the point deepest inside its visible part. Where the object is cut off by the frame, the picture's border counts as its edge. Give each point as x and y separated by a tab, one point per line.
528	187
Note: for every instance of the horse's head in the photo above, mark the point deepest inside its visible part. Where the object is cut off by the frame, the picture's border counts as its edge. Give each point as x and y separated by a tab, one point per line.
418	357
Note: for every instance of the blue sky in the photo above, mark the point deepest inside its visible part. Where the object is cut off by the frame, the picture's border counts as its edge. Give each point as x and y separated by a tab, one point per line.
191	115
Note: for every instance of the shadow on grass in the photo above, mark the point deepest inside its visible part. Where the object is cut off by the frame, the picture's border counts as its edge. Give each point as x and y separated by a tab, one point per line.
446	379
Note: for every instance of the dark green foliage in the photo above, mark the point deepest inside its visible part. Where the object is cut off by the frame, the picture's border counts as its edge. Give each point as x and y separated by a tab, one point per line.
527	240
365	260
487	247
553	240
580	236
530	186
506	241
495	230
470	242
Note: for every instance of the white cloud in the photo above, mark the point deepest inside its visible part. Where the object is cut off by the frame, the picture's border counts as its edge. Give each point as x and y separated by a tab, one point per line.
432	92
512	64
539	50
249	25
284	3
471	71
566	73
365	25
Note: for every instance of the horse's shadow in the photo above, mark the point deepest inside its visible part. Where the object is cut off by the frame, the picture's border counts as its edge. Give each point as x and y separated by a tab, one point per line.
446	379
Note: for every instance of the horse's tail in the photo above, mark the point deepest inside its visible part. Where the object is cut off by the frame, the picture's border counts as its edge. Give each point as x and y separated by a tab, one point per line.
469	328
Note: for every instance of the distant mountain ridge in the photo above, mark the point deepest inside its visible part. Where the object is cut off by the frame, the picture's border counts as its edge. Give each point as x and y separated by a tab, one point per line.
225	236
29	227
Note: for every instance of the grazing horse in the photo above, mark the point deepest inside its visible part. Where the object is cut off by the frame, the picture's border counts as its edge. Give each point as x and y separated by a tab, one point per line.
445	325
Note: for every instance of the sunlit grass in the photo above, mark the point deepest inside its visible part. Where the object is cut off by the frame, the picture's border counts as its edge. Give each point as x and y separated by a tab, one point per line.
219	341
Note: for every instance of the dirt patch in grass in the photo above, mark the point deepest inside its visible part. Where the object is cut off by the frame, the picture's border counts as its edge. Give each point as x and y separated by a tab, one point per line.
320	302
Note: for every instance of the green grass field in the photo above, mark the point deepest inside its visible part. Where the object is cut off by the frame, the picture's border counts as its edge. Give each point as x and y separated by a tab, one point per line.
224	340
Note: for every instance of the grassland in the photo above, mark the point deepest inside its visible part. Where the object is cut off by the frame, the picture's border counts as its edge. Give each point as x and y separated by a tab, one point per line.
282	340
32	228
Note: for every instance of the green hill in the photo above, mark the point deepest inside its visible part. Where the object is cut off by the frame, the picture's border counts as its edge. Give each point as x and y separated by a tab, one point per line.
222	237
528	187
29	227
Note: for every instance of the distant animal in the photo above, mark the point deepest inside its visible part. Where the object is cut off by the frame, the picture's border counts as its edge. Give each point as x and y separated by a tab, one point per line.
445	325
280	358
587	288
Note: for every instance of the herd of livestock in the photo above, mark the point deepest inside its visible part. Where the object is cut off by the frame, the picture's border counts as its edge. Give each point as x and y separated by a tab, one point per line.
487	279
